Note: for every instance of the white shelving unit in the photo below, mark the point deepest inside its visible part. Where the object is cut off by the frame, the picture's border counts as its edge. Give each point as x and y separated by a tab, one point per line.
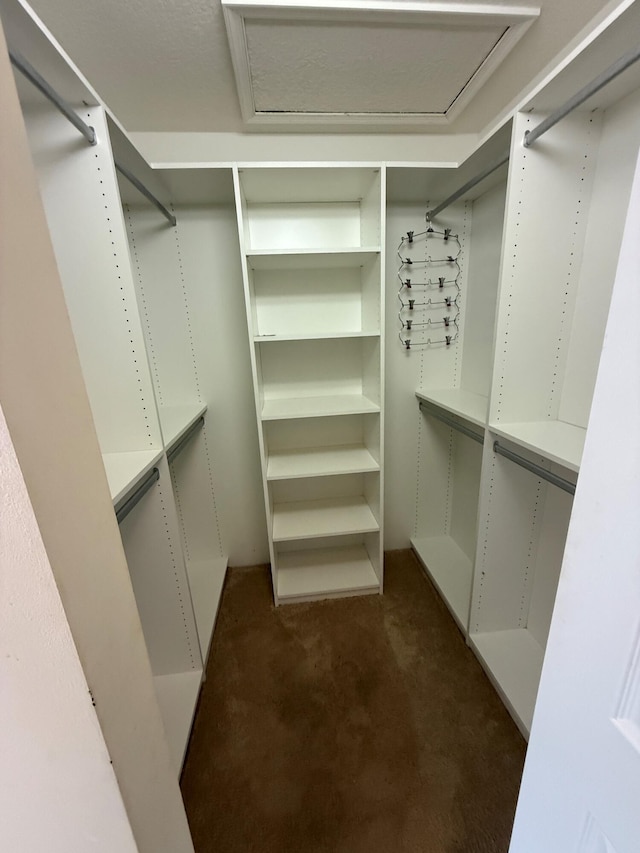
555	291
311	243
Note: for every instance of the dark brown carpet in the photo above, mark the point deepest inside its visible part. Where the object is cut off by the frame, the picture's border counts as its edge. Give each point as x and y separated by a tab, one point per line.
359	725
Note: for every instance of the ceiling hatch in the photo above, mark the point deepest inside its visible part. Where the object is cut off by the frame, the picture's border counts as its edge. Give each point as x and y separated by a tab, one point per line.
362	62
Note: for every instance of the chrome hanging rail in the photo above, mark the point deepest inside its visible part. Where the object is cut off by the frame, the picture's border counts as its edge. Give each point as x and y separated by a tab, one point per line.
145	192
125	508
185	439
468	186
587	91
41	84
434	412
554	479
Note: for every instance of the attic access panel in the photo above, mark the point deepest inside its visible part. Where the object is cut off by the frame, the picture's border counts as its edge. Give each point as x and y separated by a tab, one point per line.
366	62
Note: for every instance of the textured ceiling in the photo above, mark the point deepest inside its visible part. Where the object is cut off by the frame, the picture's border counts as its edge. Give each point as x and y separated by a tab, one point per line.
164	65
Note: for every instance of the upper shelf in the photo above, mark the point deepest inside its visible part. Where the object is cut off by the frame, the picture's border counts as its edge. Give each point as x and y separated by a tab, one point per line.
176	420
329	257
555	440
125	469
465	404
320	336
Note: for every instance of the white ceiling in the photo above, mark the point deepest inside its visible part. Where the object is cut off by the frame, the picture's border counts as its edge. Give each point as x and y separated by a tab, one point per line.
165	65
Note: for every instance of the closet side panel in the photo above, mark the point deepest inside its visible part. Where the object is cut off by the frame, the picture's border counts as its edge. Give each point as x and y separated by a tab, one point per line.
212	273
607	209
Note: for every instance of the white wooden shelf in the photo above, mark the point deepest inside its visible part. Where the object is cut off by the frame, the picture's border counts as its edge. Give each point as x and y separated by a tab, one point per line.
450	570
320	336
327	258
555	440
513	662
327	517
176	420
305	575
319	461
465	404
177	696
125	469
206	580
312	407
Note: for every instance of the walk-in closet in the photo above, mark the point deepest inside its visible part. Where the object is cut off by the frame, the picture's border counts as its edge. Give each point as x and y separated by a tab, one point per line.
304	362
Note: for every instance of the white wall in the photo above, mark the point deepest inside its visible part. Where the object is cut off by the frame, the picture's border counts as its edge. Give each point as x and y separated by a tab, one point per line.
59	791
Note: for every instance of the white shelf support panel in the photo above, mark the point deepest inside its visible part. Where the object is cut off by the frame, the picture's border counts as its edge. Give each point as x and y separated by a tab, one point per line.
311	243
451	571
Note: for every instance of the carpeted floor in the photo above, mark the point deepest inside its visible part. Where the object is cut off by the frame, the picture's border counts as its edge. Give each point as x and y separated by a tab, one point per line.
358	725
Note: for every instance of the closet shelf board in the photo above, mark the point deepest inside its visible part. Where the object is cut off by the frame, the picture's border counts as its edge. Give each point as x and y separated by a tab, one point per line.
312	407
300	259
124	470
320	336
451	572
325	572
176	420
206	579
177	696
513	662
465	404
555	440
319	461
327	517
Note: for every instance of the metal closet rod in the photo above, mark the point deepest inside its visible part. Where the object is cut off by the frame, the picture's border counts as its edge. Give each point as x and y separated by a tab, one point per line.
468	186
134	498
440	416
25	68
587	91
185	439
41	84
145	192
560	482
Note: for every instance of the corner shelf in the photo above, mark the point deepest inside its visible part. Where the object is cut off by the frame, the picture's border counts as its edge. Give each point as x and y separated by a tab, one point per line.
124	470
319	518
513	661
319	461
557	441
451	572
176	420
305	575
177	697
465	404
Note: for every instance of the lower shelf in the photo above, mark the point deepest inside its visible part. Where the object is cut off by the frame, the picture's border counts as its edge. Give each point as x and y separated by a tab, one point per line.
325	573
450	570
513	662
206	579
177	696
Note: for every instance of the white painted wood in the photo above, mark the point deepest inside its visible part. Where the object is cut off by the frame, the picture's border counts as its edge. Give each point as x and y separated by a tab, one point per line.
206	581
177	697
513	661
555	440
328	405
465	404
124	470
451	572
319	461
307	575
321	258
176	420
322	336
328	517
581	777
151	539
